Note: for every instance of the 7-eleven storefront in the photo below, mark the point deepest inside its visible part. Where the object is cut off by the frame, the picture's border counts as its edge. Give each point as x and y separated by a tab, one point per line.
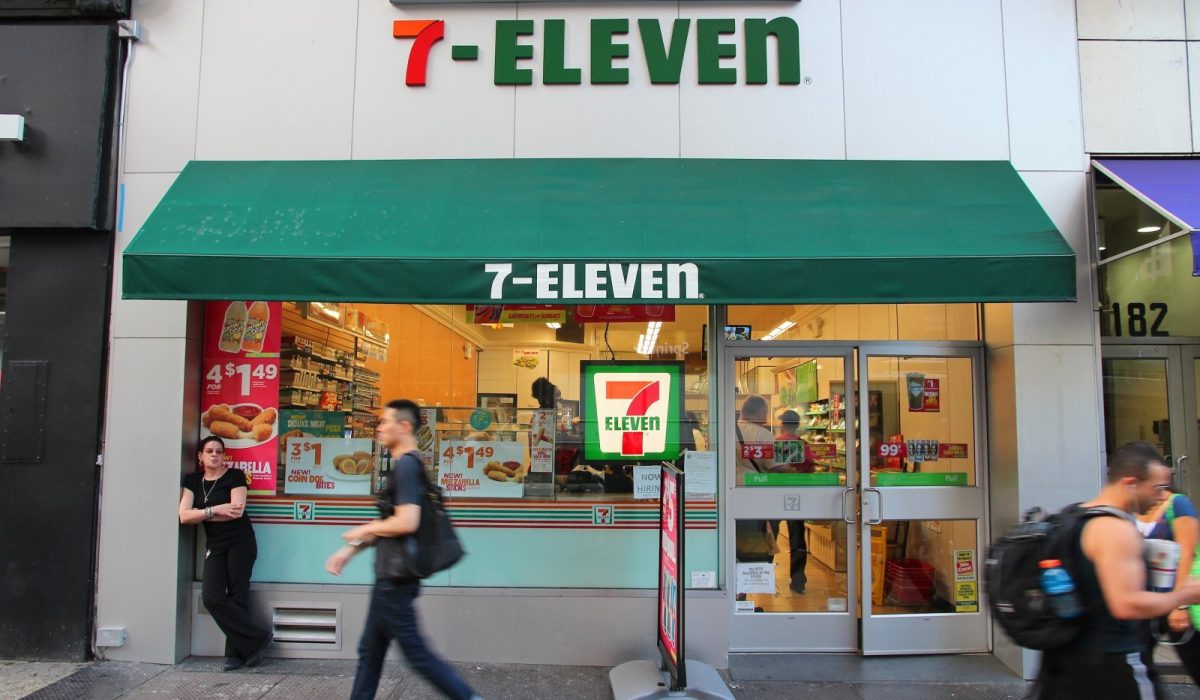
836	346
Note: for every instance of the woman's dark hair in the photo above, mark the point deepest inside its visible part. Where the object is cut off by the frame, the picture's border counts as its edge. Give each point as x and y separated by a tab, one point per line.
210	438
543	391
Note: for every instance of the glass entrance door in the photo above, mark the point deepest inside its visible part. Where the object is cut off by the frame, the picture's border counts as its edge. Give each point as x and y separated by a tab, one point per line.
788	422
922	529
1152	393
855	492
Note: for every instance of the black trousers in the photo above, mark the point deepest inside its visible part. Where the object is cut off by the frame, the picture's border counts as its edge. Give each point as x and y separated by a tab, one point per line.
1189	656
226	595
1075	676
798	546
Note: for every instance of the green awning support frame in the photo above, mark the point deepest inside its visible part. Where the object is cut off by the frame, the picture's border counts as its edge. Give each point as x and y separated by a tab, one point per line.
708	231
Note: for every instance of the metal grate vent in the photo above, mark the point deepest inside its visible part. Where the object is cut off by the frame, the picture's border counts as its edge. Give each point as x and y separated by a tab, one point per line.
306	624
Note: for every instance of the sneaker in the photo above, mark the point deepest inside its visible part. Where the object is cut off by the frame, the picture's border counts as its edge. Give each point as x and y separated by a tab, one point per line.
257	657
233	663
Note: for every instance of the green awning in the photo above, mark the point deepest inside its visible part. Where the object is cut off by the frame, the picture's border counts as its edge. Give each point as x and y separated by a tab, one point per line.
610	230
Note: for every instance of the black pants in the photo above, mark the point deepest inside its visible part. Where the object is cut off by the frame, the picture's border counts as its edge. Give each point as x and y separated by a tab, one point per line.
226	595
1074	676
392	616
798	546
1189	656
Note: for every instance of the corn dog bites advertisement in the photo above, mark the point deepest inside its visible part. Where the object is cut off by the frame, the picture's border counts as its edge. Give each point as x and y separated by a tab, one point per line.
239	399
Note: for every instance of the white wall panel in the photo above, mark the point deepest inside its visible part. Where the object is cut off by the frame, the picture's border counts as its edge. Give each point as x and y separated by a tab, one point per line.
1057	424
924	80
1193	49
1135	97
634	120
1042	72
276	80
137	585
143	319
1192	18
1063	196
1130	19
459	113
164	77
768	121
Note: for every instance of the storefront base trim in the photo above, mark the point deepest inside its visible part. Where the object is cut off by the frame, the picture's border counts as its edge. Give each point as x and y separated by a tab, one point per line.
585	627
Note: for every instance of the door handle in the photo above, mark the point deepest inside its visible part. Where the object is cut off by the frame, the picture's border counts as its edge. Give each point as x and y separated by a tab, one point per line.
847	513
1179	462
878	505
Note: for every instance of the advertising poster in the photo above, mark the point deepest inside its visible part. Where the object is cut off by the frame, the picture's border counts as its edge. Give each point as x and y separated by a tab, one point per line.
541	442
924	395
670	563
966	587
239	398
623	313
488	314
483	469
427	439
328	466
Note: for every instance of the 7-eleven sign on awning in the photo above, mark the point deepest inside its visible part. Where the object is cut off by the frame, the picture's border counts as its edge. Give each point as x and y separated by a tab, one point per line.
631	410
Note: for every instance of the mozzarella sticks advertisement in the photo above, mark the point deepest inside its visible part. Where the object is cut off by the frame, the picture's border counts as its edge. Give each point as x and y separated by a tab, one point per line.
240	392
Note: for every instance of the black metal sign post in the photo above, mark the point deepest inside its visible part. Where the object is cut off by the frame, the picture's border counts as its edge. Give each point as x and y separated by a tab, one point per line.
674	676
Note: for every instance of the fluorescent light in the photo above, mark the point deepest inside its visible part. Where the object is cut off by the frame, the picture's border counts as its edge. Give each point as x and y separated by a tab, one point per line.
554	326
779	330
1150	229
649	340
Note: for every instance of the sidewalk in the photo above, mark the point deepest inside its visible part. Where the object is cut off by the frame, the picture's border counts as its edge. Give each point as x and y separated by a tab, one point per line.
279	679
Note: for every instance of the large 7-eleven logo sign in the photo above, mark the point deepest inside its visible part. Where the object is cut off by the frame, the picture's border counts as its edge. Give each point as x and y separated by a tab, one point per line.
427	32
632	412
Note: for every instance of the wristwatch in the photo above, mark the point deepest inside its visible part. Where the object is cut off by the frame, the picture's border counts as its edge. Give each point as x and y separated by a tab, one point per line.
356	543
208	514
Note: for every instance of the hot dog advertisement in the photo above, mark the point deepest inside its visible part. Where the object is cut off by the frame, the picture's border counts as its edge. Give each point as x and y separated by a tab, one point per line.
240	392
483	469
328	466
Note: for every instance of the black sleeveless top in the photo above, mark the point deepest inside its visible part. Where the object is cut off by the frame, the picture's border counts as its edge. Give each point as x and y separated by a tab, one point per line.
1104	634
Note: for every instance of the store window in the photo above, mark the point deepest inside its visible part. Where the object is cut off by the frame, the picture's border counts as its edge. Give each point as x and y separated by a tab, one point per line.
504	395
854	322
1151	293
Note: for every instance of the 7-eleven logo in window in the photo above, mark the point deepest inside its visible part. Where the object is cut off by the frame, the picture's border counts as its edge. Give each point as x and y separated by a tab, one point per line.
632	411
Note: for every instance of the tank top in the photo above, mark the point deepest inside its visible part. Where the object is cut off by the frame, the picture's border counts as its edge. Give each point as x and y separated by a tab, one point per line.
1105	634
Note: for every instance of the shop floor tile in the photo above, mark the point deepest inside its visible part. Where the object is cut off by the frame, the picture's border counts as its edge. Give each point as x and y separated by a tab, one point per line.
205	686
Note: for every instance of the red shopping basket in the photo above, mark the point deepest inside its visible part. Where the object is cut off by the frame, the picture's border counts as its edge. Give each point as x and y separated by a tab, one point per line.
908	582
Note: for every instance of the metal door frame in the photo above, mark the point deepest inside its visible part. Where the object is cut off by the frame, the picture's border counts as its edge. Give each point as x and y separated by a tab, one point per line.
927	633
829	631
1181	355
744	626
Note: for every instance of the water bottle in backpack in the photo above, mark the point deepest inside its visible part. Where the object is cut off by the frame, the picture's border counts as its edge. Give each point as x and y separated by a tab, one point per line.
1060	589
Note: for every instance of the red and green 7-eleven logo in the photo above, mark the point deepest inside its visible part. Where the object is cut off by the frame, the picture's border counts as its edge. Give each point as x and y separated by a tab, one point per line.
631	411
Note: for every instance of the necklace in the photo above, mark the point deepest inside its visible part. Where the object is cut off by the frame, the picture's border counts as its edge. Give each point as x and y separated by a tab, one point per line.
208	492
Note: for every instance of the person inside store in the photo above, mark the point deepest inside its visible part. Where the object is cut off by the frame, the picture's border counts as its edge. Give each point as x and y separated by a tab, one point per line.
789	428
1175	520
215	496
392	614
690	435
545	393
754	539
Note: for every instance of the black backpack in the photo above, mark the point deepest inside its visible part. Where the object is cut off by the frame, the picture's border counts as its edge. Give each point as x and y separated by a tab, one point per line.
1012	576
432	548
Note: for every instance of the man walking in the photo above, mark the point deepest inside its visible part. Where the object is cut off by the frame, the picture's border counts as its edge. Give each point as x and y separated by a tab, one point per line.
1106	661
392	615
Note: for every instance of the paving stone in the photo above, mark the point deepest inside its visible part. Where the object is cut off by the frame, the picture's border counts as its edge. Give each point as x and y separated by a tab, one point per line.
183	685
324	687
20	678
100	681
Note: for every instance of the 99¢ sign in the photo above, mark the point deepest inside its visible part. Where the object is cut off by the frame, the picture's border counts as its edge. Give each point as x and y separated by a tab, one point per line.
893	449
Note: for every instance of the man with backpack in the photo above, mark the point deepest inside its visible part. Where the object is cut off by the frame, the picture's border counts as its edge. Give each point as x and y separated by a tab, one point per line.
392	614
1104	659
